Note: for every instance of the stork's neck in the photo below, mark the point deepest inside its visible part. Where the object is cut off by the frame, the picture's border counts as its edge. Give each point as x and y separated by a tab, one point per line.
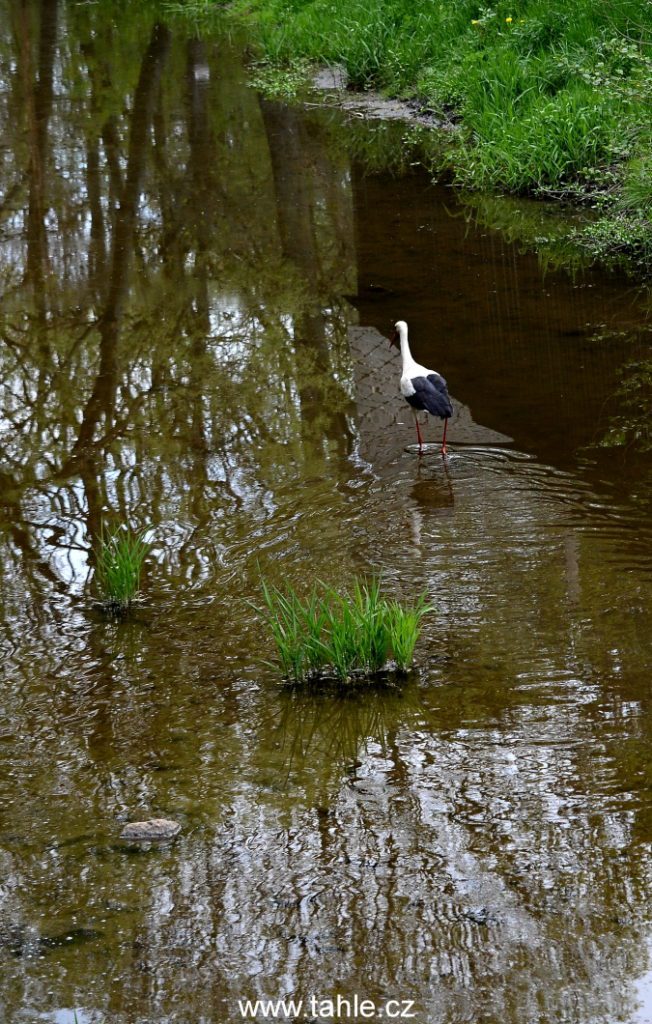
406	355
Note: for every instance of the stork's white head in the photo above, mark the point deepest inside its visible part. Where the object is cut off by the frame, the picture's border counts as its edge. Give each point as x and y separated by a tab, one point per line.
400	331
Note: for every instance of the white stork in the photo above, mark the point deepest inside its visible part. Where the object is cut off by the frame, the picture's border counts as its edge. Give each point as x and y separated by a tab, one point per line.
420	387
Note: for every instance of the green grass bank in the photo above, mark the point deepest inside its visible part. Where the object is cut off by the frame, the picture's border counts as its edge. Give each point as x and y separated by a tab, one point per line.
548	97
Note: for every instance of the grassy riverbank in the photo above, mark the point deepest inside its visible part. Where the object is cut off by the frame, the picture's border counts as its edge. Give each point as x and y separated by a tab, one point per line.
548	97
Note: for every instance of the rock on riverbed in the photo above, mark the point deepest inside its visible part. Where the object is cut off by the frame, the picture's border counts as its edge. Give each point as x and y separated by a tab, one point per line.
149	831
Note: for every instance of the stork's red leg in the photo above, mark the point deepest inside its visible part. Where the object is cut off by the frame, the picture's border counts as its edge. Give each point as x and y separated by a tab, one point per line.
419	439
443	440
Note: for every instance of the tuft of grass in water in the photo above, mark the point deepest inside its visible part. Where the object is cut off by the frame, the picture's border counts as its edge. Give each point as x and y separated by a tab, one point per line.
404	626
347	635
294	644
339	645
373	635
119	557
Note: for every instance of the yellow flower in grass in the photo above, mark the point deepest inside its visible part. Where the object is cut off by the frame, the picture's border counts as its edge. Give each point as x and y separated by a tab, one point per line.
509	20
475	21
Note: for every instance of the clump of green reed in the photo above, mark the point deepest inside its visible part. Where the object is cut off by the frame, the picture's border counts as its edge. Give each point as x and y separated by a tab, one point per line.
286	619
347	635
403	626
119	557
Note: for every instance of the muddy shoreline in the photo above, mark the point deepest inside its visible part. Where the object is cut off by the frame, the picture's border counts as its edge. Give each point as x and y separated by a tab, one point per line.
331	83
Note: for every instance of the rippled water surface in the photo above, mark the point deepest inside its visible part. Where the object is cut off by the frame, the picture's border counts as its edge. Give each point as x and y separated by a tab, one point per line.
197	286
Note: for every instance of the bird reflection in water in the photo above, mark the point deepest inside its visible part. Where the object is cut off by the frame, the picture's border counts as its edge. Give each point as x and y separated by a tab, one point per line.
430	494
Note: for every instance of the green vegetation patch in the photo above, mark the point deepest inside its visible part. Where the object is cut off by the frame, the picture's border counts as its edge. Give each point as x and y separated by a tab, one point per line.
282	82
549	96
348	637
632	426
119	558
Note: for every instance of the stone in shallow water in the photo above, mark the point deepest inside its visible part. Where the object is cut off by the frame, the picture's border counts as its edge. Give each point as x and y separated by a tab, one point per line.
155	828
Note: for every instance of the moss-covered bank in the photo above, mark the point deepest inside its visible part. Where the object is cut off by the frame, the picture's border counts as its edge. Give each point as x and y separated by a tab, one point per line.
549	97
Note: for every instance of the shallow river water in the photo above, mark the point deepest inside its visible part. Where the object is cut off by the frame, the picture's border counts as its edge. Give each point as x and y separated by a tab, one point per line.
197	288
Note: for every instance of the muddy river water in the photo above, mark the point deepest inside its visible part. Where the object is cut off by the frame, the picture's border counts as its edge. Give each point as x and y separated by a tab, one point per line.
197	286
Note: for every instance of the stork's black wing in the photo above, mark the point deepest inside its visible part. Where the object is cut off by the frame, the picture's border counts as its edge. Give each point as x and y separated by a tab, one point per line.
431	394
438	382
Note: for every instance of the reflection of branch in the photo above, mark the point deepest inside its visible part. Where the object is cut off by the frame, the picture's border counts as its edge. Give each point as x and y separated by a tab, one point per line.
296	200
97	248
38	109
150	73
15	345
16	524
10	199
102	396
111	144
83	334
